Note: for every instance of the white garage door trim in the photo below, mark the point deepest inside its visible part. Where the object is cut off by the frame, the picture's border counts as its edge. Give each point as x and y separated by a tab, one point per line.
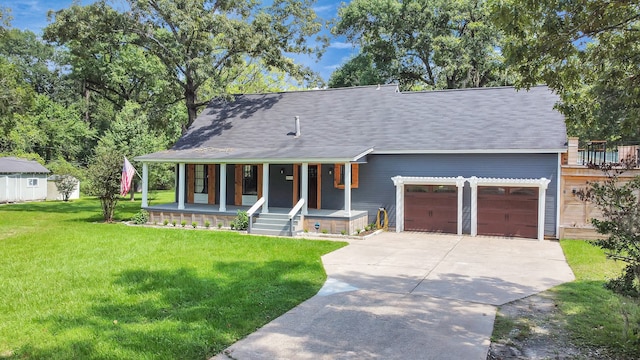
541	184
401	181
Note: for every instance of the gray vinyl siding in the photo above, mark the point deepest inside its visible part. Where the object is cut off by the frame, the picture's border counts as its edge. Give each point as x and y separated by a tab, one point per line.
377	190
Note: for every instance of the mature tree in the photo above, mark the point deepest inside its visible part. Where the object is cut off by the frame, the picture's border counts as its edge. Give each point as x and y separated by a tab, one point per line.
427	43
50	130
103	175
33	58
587	50
359	70
131	136
197	41
5	19
16	98
255	77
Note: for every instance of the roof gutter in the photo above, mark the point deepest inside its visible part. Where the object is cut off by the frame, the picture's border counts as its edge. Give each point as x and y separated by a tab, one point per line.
478	151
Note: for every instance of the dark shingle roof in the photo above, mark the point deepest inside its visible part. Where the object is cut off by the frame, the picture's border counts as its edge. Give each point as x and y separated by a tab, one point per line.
12	165
344	123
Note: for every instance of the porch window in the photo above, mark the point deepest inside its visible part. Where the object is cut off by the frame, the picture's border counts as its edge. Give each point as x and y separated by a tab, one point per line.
249	180
201	179
338	176
32	182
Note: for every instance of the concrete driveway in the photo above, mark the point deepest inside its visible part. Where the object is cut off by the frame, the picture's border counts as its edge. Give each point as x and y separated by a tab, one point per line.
409	296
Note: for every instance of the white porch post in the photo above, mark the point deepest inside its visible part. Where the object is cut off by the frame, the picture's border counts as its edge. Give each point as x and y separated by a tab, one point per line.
145	184
542	192
347	188
399	203
181	177
265	187
460	185
473	181
223	188
304	188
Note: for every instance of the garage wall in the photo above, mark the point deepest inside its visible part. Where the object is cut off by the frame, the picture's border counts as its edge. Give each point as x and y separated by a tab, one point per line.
377	190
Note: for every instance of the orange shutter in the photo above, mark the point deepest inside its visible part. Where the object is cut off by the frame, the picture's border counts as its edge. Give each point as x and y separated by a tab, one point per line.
296	184
260	181
355	176
191	182
238	185
212	184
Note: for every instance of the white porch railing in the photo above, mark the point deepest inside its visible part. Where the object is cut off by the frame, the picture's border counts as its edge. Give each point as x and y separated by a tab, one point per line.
292	214
252	211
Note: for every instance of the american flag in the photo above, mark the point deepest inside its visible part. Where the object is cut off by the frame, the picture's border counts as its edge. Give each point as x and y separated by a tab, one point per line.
127	175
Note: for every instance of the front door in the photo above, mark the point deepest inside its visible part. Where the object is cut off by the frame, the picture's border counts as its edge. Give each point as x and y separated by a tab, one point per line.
313	186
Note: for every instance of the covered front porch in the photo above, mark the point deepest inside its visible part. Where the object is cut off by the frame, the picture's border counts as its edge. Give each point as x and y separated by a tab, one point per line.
318	192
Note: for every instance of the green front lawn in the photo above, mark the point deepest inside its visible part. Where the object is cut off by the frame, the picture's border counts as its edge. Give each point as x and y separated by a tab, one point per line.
597	317
74	288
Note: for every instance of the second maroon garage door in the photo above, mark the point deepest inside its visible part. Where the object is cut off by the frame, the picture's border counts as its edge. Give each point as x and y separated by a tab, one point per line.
508	211
431	208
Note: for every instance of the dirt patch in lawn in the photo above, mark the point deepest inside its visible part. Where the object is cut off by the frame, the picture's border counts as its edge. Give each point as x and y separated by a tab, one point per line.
534	328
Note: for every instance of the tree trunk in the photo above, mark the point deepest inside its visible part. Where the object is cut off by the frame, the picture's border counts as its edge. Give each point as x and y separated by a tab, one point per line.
190	99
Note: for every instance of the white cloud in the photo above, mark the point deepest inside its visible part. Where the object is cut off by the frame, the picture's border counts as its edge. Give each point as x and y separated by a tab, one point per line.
341	45
323	8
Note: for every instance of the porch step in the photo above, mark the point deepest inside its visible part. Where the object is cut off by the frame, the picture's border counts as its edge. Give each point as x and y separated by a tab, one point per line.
274	224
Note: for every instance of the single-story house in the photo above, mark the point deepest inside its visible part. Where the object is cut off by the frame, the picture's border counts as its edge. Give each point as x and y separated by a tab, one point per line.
22	180
471	161
54	194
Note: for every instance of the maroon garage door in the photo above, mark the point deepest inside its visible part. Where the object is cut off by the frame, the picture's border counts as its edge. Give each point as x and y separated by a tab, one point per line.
508	211
430	208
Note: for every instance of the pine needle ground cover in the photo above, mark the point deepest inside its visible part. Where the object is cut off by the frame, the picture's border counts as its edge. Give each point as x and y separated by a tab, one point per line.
75	288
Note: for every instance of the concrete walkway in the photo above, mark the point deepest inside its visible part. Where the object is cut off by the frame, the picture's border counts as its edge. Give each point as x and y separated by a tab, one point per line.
409	296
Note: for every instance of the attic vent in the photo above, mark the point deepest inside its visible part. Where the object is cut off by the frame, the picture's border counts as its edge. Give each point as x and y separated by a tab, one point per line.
297	126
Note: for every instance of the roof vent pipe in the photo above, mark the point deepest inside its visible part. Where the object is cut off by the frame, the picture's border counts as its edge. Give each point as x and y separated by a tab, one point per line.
297	126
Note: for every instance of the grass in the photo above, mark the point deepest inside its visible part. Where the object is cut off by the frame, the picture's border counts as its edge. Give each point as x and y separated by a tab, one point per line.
597	317
73	287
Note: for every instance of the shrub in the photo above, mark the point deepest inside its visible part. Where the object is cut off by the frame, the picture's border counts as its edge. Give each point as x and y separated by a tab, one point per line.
241	222
66	184
207	224
174	223
358	231
619	205
165	222
141	217
343	232
194	224
183	223
325	231
219	225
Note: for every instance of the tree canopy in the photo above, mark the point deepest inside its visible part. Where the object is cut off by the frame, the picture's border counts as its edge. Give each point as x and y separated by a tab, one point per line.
198	42
587	51
430	44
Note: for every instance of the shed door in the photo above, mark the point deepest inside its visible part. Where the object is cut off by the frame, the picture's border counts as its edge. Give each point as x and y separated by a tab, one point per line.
508	211
431	208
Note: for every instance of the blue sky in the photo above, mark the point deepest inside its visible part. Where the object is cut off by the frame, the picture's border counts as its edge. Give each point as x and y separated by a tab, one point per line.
32	15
